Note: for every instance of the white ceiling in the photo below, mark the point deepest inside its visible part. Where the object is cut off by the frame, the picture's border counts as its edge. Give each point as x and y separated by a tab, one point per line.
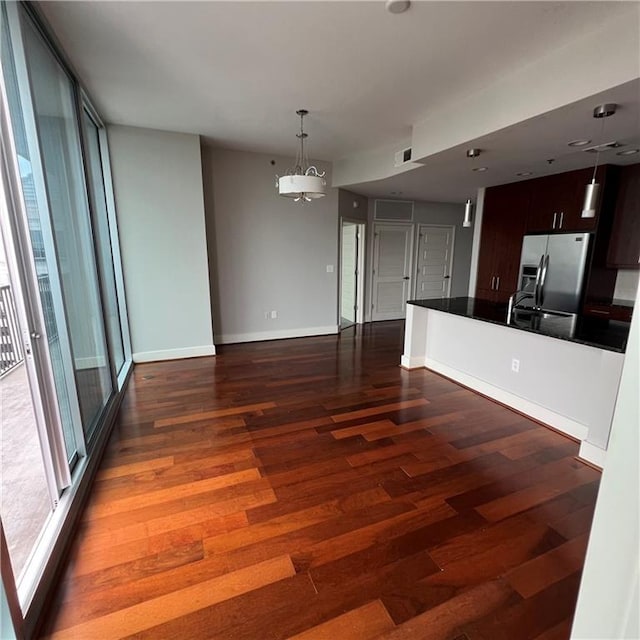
235	72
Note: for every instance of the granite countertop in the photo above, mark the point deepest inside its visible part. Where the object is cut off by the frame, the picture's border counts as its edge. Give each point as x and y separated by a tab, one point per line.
602	333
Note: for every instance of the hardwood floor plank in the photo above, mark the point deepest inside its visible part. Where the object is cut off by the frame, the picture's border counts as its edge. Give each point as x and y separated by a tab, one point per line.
217	413
179	603
364	623
134	468
350	415
112	507
443	621
537	574
520	500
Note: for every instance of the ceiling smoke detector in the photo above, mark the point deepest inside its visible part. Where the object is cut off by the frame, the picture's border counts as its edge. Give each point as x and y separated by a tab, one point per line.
397	6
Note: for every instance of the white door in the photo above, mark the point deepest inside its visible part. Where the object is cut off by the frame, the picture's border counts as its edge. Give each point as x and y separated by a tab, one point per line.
392	251
348	273
435	261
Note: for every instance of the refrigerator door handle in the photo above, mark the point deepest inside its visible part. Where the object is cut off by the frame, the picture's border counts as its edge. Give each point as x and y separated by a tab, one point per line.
536	293
543	278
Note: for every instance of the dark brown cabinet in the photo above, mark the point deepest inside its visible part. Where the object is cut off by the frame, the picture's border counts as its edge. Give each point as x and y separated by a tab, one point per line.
556	202
503	223
624	246
608	311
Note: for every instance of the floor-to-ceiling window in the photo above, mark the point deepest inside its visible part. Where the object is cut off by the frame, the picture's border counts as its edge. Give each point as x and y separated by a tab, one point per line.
70	330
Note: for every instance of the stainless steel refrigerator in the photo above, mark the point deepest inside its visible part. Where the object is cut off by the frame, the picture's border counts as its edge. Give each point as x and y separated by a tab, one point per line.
552	269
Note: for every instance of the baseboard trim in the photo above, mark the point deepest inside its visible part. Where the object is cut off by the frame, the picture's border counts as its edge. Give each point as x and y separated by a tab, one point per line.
406	362
541	414
592	454
174	354
258	336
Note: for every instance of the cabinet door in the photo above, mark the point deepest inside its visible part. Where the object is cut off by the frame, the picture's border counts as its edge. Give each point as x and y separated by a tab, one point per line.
624	247
556	202
511	204
543	212
486	257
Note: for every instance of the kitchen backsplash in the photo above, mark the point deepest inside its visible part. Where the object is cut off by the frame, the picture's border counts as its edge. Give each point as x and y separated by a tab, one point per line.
627	284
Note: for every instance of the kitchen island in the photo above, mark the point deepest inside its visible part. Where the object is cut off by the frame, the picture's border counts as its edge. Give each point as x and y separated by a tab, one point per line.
563	371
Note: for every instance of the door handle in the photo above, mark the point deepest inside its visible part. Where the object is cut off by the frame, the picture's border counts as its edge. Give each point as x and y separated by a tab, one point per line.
447	277
493	283
35	335
406	278
561	219
498	283
555	215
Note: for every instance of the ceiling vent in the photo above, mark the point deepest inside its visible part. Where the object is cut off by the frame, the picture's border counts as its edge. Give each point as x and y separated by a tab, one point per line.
402	157
605	146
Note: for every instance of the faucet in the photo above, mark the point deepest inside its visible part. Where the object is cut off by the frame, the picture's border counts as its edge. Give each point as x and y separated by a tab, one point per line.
514	301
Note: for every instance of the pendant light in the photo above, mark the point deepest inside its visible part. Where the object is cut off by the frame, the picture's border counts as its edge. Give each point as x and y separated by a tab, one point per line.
468	212
303	182
468	205
591	192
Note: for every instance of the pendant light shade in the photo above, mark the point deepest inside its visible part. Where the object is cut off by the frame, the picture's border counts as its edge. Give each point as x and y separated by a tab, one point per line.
590	200
468	213
303	182
592	190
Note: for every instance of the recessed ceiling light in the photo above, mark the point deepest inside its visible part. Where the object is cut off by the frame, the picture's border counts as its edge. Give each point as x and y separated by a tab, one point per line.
578	143
524	173
628	152
397	6
479	169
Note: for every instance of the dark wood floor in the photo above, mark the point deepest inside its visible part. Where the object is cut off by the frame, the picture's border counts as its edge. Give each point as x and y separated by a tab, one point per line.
313	489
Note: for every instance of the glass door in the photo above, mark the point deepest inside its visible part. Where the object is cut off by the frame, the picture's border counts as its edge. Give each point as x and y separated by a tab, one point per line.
104	230
54	105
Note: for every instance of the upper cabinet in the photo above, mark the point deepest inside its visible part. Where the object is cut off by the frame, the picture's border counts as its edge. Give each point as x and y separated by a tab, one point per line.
624	247
503	222
556	202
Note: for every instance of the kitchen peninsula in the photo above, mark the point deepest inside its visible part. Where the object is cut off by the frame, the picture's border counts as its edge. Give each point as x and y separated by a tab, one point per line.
563	371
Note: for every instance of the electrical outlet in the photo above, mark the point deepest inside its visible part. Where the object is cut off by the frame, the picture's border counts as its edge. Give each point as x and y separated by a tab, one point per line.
274	315
515	365
329	268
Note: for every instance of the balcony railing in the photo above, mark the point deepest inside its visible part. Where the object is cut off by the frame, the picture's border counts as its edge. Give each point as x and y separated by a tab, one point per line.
11	353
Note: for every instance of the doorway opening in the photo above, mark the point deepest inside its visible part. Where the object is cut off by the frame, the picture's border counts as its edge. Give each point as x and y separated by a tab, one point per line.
351	303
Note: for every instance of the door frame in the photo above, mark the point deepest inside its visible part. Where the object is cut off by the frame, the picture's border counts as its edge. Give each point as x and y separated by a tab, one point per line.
419	228
360	266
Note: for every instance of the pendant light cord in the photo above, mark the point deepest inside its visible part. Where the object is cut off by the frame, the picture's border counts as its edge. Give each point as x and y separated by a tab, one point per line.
593	179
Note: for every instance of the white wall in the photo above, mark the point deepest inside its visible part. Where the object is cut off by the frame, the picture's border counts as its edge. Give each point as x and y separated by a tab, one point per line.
268	253
157	180
609	598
